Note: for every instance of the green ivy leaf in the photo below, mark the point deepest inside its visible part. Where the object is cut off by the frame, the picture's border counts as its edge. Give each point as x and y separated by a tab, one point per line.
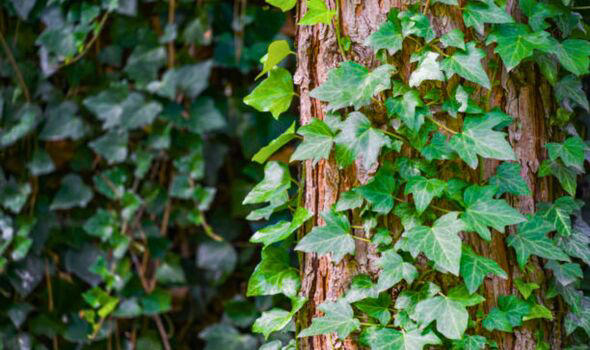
349	200
265	152
284	5
333	238
470	342
274	94
438	148
451	316
567	176
277	179
454	38
112	146
539	311
559	213
428	69
393	270
526	289
508	314
410	109
475	268
477	13
388	36
351	84
379	191
573	54
479	138
495	213
537	12
440	243
63	123
423	190
570	93
571	151
509	180
565	274
377	308
276	319
416	23
273	275
392	339
467	64
318	139
532	239
361	287
338	318
277	51
282	229
102	224
359	139
515	42
73	192
317	12
580	319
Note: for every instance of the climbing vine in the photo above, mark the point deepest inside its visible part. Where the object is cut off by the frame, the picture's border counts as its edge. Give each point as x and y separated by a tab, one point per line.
407	129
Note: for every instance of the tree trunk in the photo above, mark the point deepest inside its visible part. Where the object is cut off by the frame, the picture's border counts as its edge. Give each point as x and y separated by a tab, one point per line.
523	93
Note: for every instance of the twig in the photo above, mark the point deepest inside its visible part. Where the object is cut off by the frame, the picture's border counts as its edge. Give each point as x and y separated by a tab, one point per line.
162	332
208	230
441	125
90	43
171	52
581	8
19	76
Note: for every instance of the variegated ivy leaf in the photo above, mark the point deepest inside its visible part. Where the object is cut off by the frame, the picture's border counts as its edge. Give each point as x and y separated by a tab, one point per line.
359	139
409	108
531	239
416	23
392	339
333	238
440	243
477	13
454	38
317	12
467	64
338	318
351	84
428	69
475	268
318	139
273	94
480	138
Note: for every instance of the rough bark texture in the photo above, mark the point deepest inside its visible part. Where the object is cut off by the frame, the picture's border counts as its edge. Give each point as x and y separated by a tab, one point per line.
522	93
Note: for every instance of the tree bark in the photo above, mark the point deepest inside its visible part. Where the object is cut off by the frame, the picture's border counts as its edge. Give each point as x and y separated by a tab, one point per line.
522	93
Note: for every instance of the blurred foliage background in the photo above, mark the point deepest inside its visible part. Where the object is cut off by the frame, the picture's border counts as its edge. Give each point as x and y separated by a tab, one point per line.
124	153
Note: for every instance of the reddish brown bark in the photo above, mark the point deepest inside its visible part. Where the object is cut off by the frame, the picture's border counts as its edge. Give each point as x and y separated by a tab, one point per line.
522	93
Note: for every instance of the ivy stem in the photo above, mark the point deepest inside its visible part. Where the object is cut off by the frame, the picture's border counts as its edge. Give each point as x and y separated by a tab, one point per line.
357	227
439	50
17	72
393	135
441	125
208	229
581	8
97	32
361	239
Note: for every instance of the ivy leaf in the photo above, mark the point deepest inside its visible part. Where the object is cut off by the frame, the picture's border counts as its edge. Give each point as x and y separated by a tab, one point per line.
526	289
73	192
410	109
461	295
573	54
580	319
317	12
273	275
277	179
508	314
112	146
477	13
379	191
571	152
467	64
454	38
388	36
508	180
349	200
559	214
282	229
440	243
318	138
284	5
428	69
333	238
451	316
539	311
496	213
416	23
565	274
274	94
570	93
277	51
351	84
438	148
423	190
377	308
392	339
515	42
359	138
338	318
265	152
537	12
361	287
276	319
576	245
567	176
479	138
532	239
475	268
393	270
470	342
62	123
